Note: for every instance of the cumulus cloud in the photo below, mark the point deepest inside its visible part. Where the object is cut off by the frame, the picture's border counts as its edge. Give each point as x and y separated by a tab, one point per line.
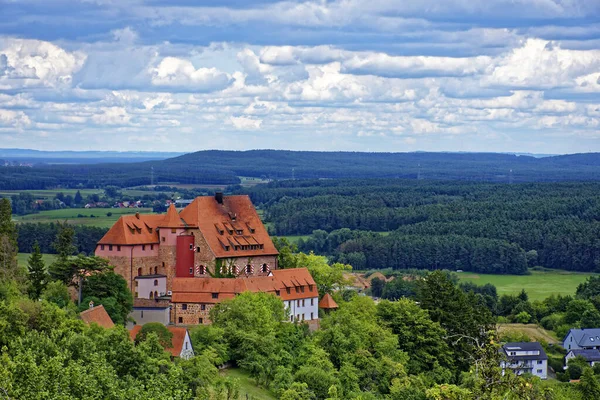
245	123
173	72
14	119
27	63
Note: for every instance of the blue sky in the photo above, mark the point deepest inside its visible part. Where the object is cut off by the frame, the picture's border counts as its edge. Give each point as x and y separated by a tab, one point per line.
184	75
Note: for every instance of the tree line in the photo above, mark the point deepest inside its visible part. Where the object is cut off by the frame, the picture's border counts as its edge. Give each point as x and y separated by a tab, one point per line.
435	224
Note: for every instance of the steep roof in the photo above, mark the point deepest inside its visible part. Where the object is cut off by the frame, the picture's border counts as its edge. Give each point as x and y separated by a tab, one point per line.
586	337
200	290
327	302
172	219
588	354
232	227
97	315
177	340
525	346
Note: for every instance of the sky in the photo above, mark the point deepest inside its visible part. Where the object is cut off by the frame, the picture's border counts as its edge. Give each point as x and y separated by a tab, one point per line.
410	75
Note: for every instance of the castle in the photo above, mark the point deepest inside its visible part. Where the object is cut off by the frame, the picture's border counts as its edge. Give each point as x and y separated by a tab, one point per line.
178	265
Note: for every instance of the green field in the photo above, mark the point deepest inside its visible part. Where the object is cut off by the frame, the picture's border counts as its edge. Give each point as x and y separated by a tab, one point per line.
50	194
70	215
22	258
247	384
538	285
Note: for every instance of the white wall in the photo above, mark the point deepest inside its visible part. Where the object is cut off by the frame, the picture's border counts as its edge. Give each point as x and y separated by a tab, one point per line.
186	349
311	305
522	367
146	285
143	315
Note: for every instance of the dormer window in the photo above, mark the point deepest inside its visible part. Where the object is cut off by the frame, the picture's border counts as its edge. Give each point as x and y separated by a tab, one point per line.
215	295
277	293
287	289
239	232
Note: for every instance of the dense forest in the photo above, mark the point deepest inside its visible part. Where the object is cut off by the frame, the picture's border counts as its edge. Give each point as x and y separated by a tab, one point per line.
483	227
44	235
225	167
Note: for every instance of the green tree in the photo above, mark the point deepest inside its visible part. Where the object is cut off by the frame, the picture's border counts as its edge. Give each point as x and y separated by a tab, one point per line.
58	293
377	286
9	268
417	334
297	391
589	386
38	277
78	199
328	277
164	335
523	317
110	290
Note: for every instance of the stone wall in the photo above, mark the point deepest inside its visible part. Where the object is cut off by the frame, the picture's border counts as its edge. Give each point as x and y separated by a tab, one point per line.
192	315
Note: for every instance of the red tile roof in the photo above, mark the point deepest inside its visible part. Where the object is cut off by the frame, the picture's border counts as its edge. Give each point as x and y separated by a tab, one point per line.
233	223
97	315
327	302
200	290
177	340
134	229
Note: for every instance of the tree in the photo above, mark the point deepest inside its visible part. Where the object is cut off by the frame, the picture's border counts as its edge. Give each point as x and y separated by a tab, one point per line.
38	277
9	268
164	335
377	286
72	269
523	295
58	293
523	317
78	199
589	386
110	290
64	242
328	277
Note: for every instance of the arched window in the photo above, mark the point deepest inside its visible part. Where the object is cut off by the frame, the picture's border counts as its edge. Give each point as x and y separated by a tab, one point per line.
155	293
163	264
234	270
140	271
155	270
151	295
248	269
223	270
156	282
202	270
265	268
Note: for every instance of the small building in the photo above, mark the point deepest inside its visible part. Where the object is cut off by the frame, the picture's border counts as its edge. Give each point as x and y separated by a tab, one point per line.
181	342
525	357
97	315
328	303
592	356
578	339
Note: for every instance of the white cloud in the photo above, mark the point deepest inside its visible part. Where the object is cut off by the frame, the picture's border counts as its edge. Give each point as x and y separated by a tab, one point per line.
180	73
27	62
245	123
112	116
15	119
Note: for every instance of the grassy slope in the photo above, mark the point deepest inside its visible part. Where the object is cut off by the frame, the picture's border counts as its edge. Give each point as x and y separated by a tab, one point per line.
23	257
538	285
70	215
247	384
533	331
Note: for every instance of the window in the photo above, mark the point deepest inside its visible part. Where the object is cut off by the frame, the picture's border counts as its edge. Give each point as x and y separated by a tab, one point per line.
192	246
151	295
101	247
234	270
513	353
302	317
197	249
173	230
162	239
156	282
142	314
118	248
248	269
155	294
287	289
310	288
539	361
312	302
312	315
110	247
277	293
180	320
203	307
136	283
539	371
143	247
215	295
302	303
302	289
265	268
186	345
202	270
200	321
191	271
297	290
136	295
155	270
291	318
298	303
139	271
184	307
151	247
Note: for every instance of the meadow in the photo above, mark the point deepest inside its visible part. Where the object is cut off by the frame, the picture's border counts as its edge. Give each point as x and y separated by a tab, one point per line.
22	259
248	386
538	285
71	216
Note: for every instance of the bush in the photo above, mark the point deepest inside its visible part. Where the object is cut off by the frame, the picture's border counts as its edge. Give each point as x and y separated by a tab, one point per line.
556	364
523	317
552	321
109	214
574	371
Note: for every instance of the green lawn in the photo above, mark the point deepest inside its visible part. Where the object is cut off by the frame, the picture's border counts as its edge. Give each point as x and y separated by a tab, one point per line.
538	285
22	258
50	194
295	238
70	215
247	384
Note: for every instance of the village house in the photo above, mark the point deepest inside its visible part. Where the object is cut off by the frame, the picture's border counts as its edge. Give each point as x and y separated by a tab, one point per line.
577	339
591	356
97	315
181	342
525	357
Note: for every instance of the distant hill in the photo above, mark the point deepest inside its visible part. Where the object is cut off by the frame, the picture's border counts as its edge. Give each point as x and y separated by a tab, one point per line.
26	156
225	167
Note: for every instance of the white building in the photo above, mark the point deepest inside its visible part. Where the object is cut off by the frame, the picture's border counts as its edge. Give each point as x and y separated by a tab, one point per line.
582	339
525	357
592	356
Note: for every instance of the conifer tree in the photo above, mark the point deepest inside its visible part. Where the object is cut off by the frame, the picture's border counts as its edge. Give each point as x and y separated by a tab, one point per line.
78	199
38	278
9	268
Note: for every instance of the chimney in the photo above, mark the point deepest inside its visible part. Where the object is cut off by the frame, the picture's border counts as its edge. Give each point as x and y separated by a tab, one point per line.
219	197
137	215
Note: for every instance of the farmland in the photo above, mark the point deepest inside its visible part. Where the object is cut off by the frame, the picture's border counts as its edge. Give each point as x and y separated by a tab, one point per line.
538	285
82	216
22	259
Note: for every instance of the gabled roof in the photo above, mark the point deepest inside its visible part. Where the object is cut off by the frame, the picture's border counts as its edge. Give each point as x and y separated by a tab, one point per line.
327	302
200	290
587	337
172	219
525	346
178	339
588	354
230	224
97	315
